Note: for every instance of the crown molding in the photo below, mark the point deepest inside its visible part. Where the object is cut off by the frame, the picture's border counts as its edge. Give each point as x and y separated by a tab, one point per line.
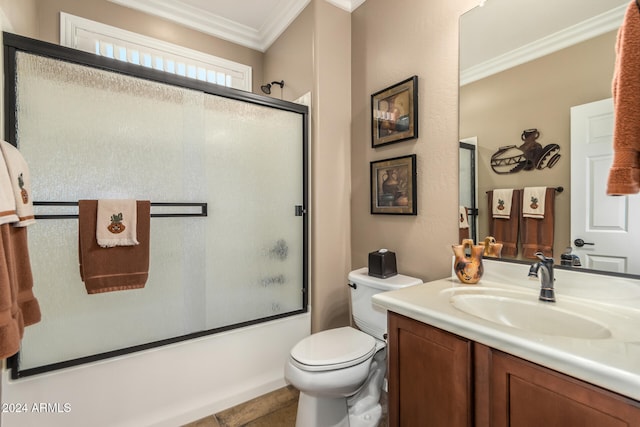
580	32
278	22
215	25
348	5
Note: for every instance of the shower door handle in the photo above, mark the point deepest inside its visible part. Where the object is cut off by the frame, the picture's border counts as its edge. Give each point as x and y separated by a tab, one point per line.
300	210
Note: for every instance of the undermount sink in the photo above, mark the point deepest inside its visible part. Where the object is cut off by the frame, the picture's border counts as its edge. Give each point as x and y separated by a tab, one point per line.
533	316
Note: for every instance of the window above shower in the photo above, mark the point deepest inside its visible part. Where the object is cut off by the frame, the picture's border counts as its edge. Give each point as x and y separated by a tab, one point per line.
112	42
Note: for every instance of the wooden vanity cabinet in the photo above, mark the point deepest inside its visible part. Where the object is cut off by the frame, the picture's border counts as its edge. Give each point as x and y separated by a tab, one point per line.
524	394
439	379
430	381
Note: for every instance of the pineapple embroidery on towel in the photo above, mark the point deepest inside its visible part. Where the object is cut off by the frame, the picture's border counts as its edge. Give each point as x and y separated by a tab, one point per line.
23	192
116	225
500	204
534	203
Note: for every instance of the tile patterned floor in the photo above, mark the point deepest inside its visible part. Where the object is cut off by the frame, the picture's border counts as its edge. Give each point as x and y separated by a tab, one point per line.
275	409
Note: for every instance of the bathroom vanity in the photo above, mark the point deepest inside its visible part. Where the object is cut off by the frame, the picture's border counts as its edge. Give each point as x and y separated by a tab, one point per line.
493	355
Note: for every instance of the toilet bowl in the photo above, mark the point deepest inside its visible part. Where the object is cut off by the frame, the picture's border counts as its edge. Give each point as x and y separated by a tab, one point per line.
339	372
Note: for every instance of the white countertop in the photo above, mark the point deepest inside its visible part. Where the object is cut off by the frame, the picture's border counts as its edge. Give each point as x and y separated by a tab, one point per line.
612	363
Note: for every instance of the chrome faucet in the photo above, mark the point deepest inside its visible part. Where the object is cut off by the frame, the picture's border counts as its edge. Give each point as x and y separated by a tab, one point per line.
545	268
570	260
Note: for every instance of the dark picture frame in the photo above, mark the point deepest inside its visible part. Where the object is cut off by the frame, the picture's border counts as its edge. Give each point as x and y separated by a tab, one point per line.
394	113
393	186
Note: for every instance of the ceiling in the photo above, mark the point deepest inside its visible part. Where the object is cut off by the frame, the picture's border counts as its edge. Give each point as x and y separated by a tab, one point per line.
252	23
498	28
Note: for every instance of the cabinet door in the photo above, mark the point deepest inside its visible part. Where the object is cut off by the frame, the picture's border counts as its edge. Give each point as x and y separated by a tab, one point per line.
429	376
527	395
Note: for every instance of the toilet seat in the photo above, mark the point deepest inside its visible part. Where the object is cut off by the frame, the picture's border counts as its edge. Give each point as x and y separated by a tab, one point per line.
333	349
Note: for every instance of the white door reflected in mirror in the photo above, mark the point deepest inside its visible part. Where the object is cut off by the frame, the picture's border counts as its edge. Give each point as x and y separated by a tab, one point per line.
608	225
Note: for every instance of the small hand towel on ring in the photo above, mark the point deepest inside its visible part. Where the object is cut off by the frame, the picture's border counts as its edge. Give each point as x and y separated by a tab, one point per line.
116	223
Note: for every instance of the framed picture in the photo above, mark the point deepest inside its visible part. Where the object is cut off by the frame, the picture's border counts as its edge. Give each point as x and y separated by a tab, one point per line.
394	113
393	186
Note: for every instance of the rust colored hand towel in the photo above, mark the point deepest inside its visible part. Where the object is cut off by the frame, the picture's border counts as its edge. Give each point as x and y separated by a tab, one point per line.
11	323
112	269
505	230
27	302
624	175
537	233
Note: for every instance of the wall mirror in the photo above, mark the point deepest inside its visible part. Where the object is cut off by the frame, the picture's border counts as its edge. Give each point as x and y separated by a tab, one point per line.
530	65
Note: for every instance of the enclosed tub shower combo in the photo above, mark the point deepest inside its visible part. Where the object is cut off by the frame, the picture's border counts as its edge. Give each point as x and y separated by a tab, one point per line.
225	172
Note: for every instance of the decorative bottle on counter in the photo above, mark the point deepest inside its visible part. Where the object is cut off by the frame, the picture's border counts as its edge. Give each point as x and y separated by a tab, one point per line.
468	269
492	248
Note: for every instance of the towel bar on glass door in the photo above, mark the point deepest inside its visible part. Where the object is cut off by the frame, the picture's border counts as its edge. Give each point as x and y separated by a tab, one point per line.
163	210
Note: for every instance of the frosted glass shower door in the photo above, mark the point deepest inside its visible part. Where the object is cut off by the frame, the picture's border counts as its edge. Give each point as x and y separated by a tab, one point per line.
101	135
93	133
255	170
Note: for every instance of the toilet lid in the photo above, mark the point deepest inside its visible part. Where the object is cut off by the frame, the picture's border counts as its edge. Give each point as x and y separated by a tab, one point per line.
333	349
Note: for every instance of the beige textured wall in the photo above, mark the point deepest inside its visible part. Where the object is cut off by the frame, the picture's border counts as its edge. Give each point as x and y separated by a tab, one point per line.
331	244
538	94
132	20
314	54
390	42
19	17
290	58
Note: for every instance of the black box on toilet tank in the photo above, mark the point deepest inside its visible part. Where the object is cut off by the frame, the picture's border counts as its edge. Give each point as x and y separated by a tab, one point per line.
382	264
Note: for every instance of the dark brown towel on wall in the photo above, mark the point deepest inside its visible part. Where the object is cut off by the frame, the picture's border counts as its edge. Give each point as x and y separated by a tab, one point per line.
112	269
505	230
537	234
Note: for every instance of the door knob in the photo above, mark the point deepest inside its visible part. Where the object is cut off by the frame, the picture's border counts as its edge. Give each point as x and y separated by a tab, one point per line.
580	243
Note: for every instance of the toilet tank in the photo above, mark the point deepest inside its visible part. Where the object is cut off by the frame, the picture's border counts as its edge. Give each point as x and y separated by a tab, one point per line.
369	319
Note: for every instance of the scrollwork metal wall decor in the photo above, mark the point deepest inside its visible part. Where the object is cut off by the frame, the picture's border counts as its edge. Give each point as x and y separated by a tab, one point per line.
528	156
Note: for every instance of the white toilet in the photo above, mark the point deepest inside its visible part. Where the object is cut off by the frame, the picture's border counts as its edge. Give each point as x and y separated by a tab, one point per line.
340	372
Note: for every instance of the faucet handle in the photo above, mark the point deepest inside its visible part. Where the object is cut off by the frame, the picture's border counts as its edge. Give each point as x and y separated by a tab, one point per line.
542	257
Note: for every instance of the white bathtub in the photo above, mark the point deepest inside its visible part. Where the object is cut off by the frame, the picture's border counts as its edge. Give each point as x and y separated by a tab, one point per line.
166	386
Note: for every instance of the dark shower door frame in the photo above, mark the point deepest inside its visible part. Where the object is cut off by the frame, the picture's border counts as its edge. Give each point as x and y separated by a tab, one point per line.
14	43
